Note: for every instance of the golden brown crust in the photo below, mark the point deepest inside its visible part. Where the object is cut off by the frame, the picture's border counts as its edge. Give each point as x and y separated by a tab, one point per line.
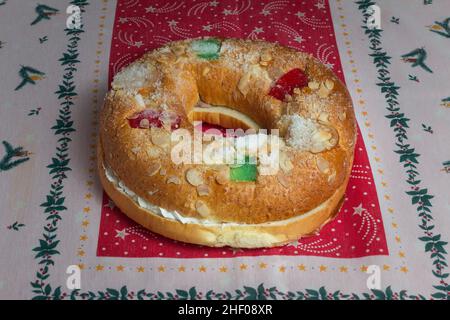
177	78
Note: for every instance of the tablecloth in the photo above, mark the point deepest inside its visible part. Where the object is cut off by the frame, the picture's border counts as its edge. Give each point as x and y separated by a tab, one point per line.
55	218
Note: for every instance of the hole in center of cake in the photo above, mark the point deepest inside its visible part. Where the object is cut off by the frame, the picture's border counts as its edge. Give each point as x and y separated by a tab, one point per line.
221	118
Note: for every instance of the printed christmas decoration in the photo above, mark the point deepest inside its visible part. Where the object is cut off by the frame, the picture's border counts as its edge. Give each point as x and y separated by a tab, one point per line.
47	246
395	20
427	128
29	75
446	165
16	226
441	28
44	12
8	162
408	157
413	78
34	112
417	58
446	102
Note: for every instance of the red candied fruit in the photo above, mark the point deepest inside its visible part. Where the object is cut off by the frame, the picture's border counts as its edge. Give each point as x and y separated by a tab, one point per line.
151	118
219	130
286	84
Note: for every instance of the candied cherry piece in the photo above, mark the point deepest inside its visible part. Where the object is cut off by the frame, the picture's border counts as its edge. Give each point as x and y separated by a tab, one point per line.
286	84
151	118
205	126
145	119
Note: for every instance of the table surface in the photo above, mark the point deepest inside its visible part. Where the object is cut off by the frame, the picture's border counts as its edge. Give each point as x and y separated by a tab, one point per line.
56	219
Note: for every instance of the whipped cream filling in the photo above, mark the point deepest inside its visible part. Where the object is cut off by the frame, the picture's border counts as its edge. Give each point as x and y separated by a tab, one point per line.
172	215
175	215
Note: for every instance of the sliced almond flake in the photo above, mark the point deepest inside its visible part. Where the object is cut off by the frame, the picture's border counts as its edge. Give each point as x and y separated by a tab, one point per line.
153	168
323	117
323	91
160	138
254	73
329	84
202	208
205	71
331	177
194	177
173	179
323	139
322	135
144	124
283	180
317	148
223	177
140	100
285	163
323	165
313	85
203	190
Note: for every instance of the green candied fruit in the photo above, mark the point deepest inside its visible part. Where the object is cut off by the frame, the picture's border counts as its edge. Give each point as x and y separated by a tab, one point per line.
207	48
245	172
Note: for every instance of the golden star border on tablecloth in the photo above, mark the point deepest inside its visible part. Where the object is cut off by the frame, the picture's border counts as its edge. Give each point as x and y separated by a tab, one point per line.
97	101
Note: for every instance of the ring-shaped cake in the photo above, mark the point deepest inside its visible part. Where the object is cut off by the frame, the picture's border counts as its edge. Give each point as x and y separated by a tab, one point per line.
230	83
